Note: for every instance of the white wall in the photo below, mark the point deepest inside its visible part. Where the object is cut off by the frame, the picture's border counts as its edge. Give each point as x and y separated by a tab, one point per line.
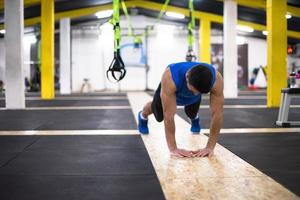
92	53
257	53
87	61
167	43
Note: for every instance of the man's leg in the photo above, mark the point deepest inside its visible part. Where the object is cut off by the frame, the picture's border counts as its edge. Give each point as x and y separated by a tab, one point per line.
192	112
154	107
147	110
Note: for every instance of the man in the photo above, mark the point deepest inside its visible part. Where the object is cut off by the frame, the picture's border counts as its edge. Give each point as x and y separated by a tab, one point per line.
183	84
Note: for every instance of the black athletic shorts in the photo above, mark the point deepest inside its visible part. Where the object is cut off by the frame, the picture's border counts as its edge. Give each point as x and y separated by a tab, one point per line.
190	110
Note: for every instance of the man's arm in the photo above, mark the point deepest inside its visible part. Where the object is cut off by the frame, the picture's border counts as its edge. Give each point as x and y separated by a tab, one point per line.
168	99
216	108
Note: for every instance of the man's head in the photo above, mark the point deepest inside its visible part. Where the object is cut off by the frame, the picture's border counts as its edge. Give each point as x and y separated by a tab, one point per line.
199	79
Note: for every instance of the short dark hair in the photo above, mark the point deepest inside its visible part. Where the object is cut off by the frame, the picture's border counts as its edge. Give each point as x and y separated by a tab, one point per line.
200	77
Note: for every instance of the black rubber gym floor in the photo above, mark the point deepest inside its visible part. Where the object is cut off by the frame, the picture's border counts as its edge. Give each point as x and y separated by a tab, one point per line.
83	119
115	119
244	117
76	167
118	167
275	154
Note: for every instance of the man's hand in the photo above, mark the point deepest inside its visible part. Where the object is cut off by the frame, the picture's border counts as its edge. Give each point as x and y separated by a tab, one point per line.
181	153
203	152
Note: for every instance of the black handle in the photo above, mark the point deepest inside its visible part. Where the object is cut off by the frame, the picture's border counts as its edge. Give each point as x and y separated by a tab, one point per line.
116	66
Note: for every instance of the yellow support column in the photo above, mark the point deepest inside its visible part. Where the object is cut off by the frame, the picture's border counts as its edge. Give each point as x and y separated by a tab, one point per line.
277	50
47	57
205	48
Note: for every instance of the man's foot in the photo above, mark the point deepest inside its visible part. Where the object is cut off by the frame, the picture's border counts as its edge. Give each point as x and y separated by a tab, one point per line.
142	124
195	128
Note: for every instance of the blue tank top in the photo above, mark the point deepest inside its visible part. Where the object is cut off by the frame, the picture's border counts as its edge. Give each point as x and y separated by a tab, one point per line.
184	96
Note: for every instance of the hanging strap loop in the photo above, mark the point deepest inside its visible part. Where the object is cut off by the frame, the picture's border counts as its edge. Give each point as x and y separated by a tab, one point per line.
117	67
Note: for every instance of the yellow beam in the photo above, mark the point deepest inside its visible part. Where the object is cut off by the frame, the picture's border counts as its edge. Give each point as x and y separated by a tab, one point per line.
258	27
47	61
157	7
294	11
205	47
277	54
293	34
68	14
82	12
151	6
31	2
253	3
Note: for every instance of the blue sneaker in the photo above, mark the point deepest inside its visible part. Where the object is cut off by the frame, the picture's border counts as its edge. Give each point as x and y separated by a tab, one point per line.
195	128
142	124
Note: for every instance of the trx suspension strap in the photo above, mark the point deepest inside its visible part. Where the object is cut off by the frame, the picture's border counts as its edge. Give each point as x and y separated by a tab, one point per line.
130	30
117	67
136	39
190	56
163	9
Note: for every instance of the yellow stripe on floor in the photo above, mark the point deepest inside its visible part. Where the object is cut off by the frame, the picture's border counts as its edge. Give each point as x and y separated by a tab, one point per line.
224	176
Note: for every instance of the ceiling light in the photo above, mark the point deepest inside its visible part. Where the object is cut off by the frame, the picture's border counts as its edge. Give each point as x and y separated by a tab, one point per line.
2	31
240	40
104	13
265	32
30	39
175	15
245	28
288	16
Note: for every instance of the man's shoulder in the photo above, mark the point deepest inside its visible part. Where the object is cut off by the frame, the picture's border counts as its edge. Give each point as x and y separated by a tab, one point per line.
167	80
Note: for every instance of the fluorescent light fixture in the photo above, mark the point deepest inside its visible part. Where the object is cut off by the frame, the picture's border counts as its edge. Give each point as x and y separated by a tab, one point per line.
175	15
104	13
2	31
288	16
30	39
240	40
265	32
245	28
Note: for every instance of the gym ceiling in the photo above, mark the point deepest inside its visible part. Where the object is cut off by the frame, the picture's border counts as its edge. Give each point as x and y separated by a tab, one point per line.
82	11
